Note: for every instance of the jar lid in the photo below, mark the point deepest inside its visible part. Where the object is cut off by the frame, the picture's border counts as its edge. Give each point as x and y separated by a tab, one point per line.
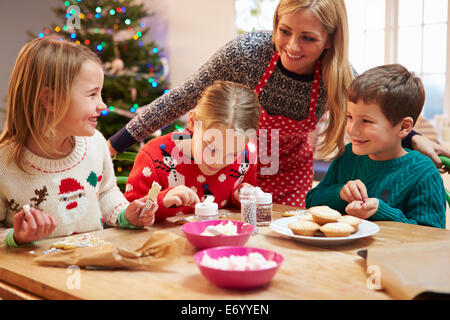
206	209
247	191
264	198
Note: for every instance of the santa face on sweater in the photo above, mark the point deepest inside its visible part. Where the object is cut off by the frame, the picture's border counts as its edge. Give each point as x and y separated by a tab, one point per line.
72	201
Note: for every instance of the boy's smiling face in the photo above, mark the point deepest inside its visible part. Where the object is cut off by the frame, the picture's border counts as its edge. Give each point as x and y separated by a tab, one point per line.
372	134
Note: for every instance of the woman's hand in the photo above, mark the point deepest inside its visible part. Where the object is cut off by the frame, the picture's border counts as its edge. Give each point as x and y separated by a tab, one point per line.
32	226
363	209
112	151
430	149
134	210
354	190
180	196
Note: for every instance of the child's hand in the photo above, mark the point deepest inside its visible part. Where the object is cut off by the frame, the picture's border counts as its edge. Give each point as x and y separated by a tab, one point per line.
238	189
354	190
133	213
180	196
32	226
363	209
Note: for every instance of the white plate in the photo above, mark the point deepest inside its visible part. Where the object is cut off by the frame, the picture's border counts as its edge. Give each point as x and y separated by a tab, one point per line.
365	229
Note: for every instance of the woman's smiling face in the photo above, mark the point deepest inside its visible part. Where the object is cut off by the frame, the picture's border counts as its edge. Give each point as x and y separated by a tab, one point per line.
300	39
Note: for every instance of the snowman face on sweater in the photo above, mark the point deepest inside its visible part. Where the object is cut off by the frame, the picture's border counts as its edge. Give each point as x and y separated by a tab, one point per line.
170	162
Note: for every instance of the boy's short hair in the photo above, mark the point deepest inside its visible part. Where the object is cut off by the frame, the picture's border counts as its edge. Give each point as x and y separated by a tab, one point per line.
398	92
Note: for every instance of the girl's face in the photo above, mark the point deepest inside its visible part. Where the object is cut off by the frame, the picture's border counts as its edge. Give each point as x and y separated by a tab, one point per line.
372	134
300	39
216	147
85	102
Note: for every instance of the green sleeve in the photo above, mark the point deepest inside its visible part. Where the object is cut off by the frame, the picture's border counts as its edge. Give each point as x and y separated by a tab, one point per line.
11	243
327	191
426	204
388	213
124	223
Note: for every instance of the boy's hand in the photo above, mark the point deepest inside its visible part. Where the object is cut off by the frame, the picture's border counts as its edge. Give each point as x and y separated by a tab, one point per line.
180	196
363	209
238	189
32	226
354	190
133	212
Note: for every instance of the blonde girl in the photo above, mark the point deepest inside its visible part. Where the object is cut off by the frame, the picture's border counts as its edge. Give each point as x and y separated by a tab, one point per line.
55	164
215	155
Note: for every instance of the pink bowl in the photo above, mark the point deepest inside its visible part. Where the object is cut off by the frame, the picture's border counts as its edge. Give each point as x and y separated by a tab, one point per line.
232	279
193	231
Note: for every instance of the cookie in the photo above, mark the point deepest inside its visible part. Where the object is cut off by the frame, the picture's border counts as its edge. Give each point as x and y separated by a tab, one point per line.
292	213
304	228
337	229
324	214
154	190
305	217
85	240
351	220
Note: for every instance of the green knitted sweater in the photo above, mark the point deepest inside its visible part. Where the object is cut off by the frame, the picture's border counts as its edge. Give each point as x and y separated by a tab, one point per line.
409	188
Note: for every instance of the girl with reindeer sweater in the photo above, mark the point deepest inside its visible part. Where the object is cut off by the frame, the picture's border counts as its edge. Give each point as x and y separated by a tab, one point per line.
215	155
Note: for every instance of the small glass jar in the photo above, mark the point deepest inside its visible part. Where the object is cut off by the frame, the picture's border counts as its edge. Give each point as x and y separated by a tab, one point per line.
264	209
207	211
247	199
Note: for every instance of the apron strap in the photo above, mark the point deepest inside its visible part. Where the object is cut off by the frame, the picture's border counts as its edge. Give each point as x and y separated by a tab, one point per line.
267	73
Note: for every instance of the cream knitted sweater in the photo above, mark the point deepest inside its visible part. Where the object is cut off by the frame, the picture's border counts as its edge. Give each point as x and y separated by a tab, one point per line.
79	190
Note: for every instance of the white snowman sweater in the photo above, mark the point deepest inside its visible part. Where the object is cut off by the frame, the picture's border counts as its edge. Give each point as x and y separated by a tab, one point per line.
79	190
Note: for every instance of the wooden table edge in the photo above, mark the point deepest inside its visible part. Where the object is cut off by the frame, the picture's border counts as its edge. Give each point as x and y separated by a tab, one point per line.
10	292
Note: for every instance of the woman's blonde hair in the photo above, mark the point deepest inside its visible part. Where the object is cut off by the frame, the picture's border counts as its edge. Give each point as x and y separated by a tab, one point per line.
45	63
229	103
336	71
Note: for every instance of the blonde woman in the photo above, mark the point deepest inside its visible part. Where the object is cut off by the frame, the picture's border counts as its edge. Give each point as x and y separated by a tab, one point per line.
57	176
214	156
300	71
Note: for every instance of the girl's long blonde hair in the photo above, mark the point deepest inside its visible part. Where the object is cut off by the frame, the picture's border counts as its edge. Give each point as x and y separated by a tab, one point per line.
42	64
336	71
229	103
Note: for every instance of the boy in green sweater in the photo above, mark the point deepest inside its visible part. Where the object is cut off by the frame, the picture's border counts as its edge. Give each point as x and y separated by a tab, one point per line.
376	178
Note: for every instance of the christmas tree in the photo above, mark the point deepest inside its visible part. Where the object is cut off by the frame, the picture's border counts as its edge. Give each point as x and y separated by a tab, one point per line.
135	72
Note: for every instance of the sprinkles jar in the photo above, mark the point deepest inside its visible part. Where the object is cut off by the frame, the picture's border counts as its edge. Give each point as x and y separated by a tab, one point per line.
248	206
263	209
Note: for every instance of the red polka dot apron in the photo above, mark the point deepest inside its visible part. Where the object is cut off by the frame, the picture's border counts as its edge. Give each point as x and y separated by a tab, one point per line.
294	177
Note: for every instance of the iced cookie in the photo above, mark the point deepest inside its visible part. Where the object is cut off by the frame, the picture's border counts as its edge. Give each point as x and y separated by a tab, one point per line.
292	213
85	240
351	220
304	228
305	217
154	190
324	214
337	229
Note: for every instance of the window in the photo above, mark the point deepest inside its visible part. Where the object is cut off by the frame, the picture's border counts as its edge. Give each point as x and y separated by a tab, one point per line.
254	14
366	19
410	32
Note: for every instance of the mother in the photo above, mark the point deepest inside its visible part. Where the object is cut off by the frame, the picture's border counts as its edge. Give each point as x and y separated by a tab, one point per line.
300	71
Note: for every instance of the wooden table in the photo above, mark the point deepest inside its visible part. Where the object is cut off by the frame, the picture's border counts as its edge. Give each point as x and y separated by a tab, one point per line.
308	272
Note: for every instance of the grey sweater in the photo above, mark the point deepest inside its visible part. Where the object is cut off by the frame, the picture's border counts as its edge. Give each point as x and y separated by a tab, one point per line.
241	60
